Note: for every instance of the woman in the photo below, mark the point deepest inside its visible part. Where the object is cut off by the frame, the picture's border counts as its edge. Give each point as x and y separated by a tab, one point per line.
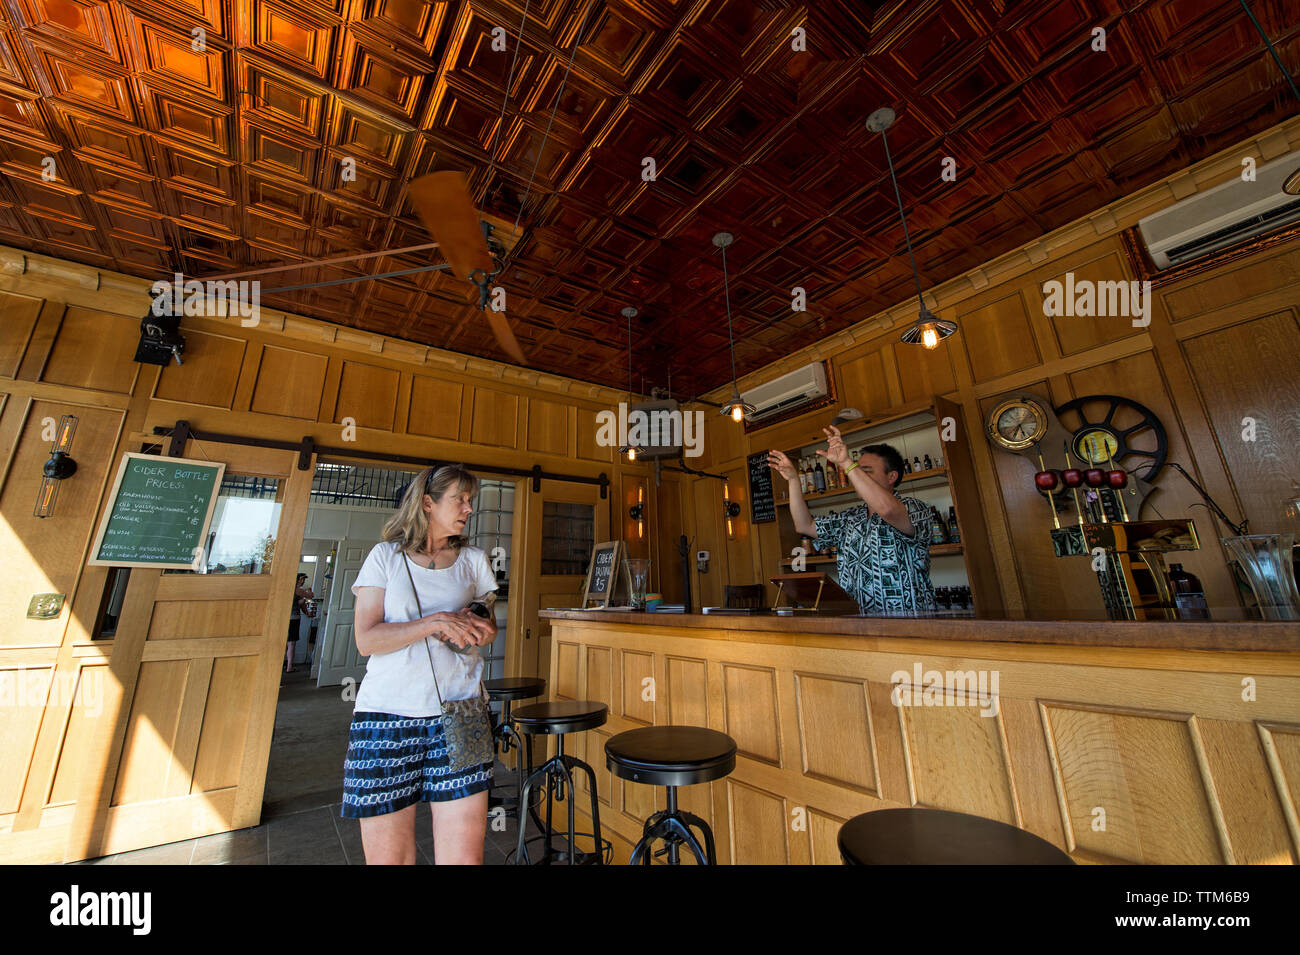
397	752
301	593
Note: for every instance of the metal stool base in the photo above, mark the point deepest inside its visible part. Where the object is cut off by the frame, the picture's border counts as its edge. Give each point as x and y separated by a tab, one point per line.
673	826
556	775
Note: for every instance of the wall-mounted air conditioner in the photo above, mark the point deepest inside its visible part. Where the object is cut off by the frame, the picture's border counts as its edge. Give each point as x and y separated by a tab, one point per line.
790	391
1225	215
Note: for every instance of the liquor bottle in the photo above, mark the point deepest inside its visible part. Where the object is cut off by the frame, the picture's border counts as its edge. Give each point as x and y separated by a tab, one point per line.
819	478
954	535
803	476
1189	596
938	533
832	476
907	467
938	460
916	464
928	465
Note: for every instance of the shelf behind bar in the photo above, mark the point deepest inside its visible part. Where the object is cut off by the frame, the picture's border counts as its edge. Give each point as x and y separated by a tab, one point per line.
934	477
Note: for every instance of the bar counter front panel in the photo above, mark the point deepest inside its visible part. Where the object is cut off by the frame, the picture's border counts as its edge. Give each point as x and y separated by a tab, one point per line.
1141	752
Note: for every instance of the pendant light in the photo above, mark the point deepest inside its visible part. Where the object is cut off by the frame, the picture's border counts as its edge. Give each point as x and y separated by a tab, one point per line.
928	329
737	408
629	313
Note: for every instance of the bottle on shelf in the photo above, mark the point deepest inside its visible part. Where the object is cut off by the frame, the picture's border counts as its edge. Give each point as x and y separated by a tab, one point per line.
803	476
938	533
819	478
916	464
938	460
832	476
927	463
1189	596
907	467
954	535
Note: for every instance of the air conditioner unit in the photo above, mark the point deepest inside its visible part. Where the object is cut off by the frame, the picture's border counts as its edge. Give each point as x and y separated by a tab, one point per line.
1222	216
788	392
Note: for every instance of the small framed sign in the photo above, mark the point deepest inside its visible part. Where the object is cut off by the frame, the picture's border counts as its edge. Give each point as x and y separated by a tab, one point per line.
158	513
608	565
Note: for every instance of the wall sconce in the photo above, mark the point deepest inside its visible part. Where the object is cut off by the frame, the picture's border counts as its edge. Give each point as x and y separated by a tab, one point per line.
730	509
57	468
637	512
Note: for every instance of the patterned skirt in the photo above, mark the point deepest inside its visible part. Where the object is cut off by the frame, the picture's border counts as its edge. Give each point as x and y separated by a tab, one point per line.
396	761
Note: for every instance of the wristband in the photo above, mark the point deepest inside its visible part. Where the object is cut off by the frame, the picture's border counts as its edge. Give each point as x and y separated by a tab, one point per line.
851	467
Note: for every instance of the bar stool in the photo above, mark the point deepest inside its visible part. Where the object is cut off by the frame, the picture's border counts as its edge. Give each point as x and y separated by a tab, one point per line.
557	718
504	736
672	756
940	837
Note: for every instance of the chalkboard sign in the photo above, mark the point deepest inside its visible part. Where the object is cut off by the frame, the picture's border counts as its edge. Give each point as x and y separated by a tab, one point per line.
762	507
158	513
606	563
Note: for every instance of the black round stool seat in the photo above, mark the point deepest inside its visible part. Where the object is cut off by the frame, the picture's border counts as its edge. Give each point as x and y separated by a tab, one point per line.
939	837
671	755
514	687
560	716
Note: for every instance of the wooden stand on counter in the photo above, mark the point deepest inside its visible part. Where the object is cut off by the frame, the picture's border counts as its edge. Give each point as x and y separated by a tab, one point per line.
814	592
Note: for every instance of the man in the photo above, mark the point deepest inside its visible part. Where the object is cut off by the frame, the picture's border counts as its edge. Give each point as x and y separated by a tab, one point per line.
883	543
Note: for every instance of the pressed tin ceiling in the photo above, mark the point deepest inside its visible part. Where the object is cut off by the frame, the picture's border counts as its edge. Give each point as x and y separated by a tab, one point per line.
171	158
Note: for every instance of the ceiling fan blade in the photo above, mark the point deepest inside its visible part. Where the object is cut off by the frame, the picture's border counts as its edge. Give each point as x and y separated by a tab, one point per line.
441	199
505	337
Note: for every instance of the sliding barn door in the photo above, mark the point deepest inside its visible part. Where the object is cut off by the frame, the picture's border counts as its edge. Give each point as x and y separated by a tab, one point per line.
181	746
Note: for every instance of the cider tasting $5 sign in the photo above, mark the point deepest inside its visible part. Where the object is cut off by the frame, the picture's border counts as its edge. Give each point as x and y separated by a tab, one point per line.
158	513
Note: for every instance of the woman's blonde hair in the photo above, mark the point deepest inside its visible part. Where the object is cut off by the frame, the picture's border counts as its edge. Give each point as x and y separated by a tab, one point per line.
409	526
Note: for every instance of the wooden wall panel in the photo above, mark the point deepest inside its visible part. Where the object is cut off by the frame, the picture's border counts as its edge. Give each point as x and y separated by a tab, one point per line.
750	712
1249	371
924	373
667	522
587	429
18	315
1235	760
835	730
548	427
1282	747
861	383
957	760
996	339
151	731
77	749
495	420
368	395
1207	293
25	690
688	702
225	728
289	383
638	668
823	837
566	684
183	619
43	555
756	817
1075	334
94	350
435	407
600	676
1143	771
210	373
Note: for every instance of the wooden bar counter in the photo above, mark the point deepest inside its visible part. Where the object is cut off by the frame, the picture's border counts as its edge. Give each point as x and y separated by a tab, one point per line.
1119	742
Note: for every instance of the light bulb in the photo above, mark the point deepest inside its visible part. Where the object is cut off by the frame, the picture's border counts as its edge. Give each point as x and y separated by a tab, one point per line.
737	413
929	337
631	454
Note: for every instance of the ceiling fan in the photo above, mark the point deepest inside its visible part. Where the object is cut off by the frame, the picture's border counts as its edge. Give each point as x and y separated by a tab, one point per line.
466	237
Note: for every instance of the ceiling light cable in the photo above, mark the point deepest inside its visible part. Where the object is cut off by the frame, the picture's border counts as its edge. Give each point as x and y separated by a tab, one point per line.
514	230
1269	43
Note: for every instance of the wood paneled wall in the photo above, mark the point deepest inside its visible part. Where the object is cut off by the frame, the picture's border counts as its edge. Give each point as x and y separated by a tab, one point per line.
1116	755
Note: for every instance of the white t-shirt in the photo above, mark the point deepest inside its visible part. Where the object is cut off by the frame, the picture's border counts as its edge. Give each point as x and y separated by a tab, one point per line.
401	682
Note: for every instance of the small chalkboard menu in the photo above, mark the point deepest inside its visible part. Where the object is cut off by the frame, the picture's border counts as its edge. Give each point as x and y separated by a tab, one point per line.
607	562
762	506
158	513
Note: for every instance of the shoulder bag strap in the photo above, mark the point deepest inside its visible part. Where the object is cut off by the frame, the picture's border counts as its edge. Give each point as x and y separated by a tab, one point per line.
406	562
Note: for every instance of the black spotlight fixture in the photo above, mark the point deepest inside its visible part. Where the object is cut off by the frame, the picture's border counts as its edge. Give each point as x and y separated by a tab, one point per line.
160	339
58	468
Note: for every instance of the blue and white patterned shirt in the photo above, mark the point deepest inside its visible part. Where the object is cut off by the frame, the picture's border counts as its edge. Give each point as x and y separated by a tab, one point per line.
879	566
